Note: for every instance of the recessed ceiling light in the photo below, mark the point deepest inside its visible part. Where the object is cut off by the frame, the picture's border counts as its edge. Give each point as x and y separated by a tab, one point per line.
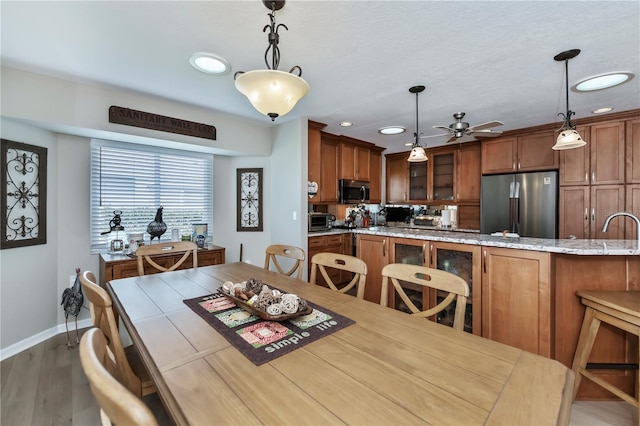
602	81
346	124
209	63
602	110
392	130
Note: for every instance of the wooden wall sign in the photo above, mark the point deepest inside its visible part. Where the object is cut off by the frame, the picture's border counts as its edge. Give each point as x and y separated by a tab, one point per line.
147	120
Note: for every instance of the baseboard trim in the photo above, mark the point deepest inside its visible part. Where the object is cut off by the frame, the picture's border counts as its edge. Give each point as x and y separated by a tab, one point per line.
27	343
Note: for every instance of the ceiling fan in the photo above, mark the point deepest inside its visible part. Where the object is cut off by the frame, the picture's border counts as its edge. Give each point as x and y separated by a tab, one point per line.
460	131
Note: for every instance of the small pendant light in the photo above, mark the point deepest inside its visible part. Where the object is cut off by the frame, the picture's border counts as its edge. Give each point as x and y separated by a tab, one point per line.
569	137
417	151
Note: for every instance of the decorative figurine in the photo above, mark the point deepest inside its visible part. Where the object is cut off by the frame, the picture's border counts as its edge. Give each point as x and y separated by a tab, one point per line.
72	301
115	242
157	227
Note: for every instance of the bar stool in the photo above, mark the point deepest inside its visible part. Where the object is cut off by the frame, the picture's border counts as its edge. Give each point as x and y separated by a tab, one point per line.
621	309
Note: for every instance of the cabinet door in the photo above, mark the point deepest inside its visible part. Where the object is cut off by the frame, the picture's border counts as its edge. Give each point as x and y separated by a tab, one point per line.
464	261
413	252
535	152
467	182
499	155
347	161
374	251
418	182
397	178
632	206
375	177
314	155
574	163
516	299
607	153
633	151
442	176
363	164
574	212
605	200
328	180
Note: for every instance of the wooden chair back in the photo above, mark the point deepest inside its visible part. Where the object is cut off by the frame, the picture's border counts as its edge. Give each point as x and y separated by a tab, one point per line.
273	253
322	261
145	252
103	318
117	404
456	288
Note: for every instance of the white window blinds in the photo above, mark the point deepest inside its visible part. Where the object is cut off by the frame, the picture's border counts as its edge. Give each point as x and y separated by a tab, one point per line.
137	179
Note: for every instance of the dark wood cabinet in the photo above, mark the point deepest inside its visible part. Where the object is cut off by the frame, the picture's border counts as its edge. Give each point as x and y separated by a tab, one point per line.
375	178
633	151
314	155
607	143
374	250
442	183
397	177
632	205
468	174
328	185
113	267
522	153
336	243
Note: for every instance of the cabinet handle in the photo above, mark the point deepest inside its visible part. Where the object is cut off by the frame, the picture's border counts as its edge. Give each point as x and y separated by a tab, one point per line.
593	214
484	261
424	249
593	177
586	213
518	163
514	165
586	177
384	247
431	255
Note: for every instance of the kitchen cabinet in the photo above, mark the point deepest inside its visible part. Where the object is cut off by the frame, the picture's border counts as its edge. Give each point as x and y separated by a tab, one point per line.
418	180
397	170
522	153
354	162
335	243
328	185
632	205
314	154
113	267
442	175
375	178
575	166
612	345
633	151
583	210
606	144
468	174
516	299
374	251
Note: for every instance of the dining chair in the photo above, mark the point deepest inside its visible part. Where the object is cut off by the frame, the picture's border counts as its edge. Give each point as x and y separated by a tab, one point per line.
276	253
324	262
129	368
117	404
456	288
145	252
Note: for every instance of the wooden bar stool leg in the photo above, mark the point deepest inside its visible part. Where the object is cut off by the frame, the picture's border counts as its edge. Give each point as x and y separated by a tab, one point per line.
588	332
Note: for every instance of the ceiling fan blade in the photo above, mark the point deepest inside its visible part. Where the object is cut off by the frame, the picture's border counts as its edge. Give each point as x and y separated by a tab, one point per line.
487	133
486	125
433	136
443	128
462	139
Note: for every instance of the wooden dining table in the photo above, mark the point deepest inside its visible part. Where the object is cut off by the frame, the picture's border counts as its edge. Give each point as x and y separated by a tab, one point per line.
387	368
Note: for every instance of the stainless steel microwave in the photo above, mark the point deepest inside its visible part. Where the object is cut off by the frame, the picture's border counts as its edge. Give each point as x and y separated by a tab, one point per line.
320	221
353	191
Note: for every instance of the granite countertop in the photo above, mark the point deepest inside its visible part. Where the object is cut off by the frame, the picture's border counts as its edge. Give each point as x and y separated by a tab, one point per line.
578	247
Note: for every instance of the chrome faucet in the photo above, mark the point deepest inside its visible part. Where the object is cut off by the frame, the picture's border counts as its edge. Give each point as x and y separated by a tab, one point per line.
632	216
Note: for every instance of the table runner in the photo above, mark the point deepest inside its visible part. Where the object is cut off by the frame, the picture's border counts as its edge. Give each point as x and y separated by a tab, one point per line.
262	340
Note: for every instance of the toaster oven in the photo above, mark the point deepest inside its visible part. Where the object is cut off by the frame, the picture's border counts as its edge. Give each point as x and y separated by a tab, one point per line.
320	221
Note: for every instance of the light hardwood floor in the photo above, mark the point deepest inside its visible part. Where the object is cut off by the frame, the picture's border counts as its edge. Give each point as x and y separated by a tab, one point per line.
45	385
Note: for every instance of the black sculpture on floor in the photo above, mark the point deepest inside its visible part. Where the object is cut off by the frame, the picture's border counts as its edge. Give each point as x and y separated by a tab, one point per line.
72	301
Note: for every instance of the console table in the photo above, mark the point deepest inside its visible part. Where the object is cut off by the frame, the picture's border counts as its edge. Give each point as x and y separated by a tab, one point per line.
114	266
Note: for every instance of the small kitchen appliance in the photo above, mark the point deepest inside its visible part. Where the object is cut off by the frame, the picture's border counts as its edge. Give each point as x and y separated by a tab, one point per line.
353	191
320	221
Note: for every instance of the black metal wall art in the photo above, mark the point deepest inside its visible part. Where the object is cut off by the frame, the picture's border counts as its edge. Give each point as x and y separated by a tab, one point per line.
24	194
249	200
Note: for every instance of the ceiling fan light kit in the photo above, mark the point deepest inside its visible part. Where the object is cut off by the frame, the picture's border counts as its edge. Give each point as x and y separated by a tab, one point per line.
273	93
417	154
569	137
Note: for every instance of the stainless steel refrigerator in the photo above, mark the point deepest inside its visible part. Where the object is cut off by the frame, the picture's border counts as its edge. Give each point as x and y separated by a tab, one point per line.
523	203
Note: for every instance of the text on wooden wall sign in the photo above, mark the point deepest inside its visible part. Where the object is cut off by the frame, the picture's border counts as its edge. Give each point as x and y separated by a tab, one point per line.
147	120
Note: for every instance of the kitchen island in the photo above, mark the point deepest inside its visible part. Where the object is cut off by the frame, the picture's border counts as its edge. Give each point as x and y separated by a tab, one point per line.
523	289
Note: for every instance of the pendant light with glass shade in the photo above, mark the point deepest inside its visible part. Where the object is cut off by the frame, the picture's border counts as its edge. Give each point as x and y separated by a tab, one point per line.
273	93
417	151
569	137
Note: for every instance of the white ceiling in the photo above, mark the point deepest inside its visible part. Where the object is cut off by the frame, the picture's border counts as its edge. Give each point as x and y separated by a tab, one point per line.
493	59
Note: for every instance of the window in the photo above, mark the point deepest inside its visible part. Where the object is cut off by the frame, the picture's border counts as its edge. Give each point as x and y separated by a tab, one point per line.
137	179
